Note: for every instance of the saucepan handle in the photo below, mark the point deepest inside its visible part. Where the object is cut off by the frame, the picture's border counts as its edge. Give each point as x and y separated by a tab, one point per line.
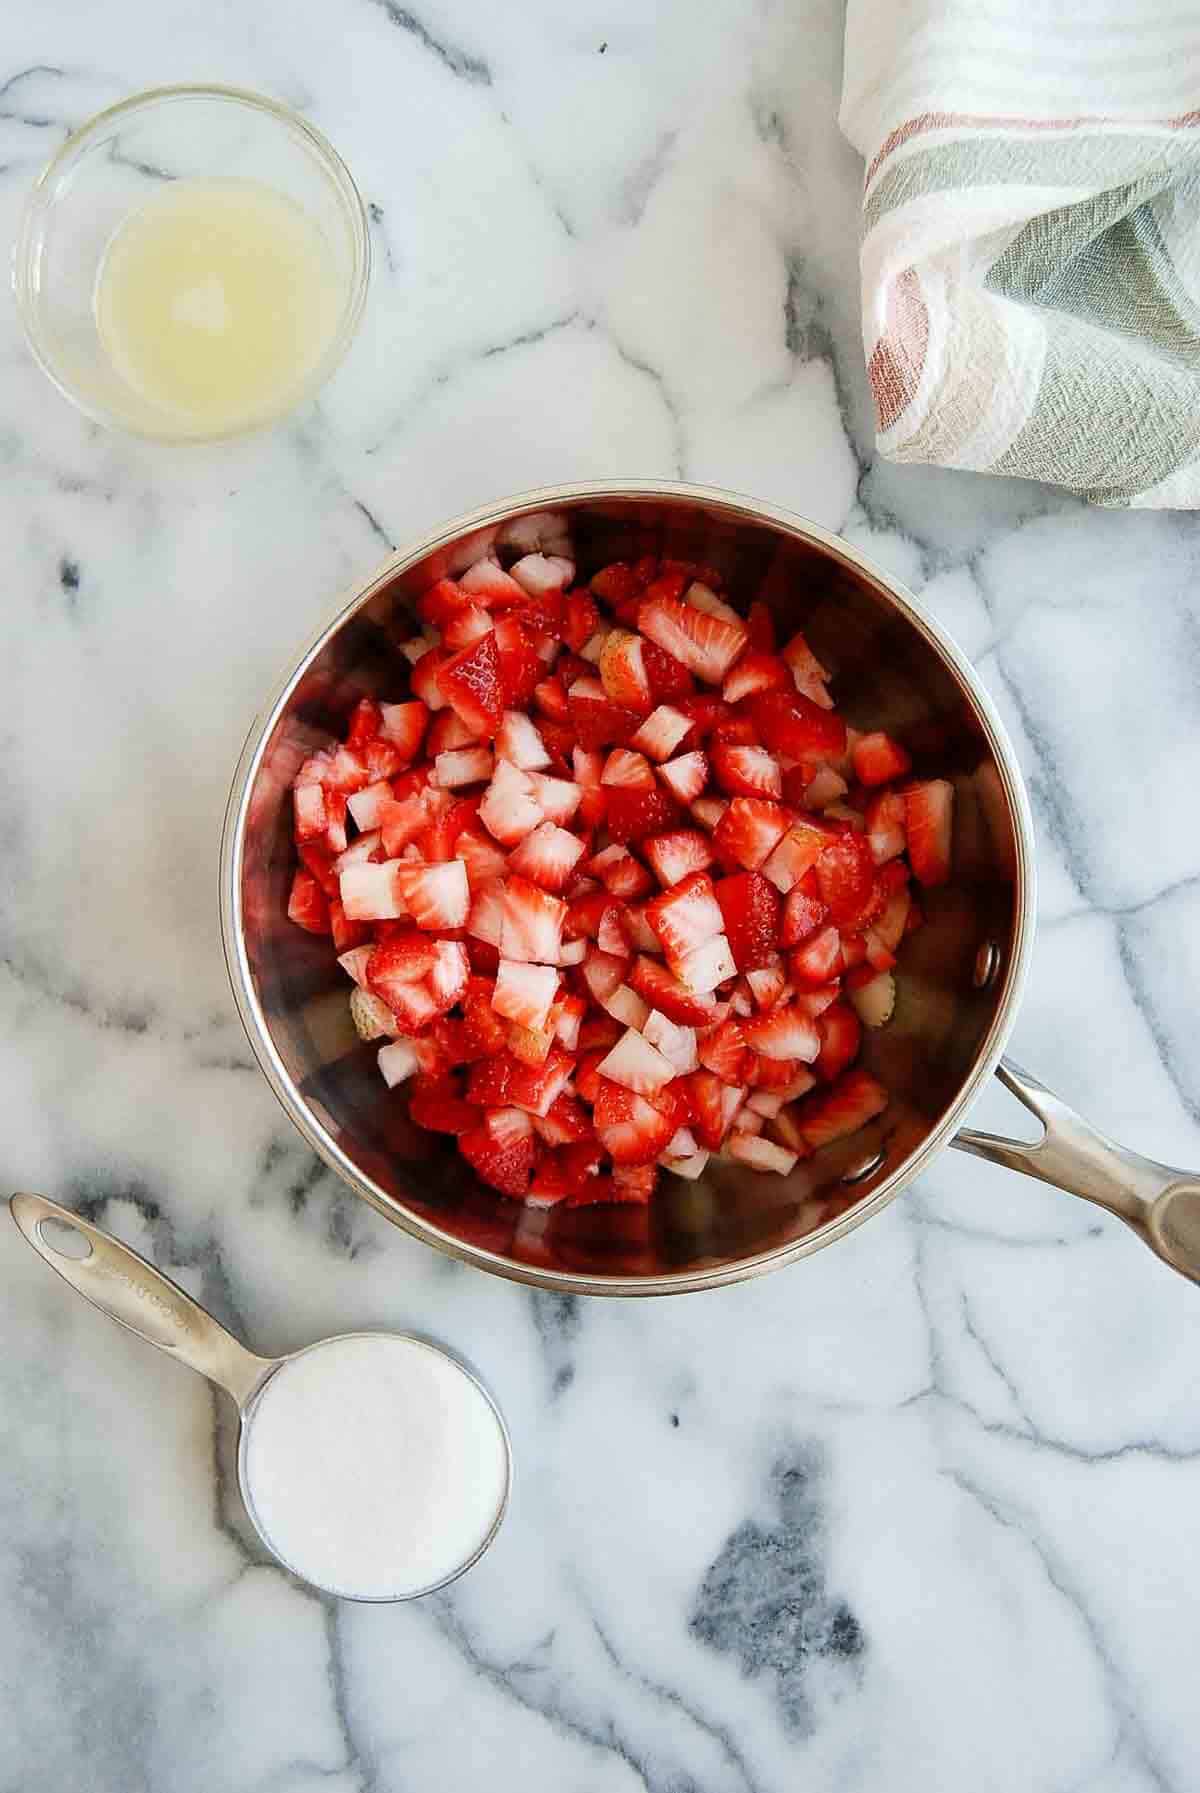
1158	1202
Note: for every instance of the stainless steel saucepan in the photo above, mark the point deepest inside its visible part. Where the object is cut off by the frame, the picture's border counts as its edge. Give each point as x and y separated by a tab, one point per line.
959	979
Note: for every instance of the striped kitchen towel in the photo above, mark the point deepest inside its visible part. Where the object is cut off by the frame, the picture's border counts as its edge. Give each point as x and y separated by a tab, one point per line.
1031	237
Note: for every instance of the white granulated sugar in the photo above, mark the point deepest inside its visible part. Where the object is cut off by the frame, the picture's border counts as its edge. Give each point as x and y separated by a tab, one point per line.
374	1466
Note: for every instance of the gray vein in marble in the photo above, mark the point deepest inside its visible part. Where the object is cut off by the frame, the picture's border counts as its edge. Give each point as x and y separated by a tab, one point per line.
640	183
35	121
559	1321
33	978
657	380
460	62
765	1599
1022	1525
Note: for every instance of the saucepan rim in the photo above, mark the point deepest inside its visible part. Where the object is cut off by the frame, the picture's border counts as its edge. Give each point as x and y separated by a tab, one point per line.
686	1280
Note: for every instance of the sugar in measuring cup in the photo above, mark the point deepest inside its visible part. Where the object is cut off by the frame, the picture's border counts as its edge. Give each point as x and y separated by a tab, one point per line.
373	1465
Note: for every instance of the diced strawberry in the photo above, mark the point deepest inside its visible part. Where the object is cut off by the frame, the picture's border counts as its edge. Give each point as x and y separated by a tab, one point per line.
637	1065
550	1184
928	811
843	1108
325	870
441	602
632	814
708	811
791	724
706	1097
531	923
725	1054
519	742
565	1121
491	1079
550	696
623	673
782	1033
751	911
436	896
510	810
435	1104
347	934
675	856
627	771
631	1128
537	1087
705	967
403	725
365	723
470	682
810	677
846	879
661	732
803	914
540	573
686	776
669	679
530	1045
750	830
556	798
734	731
626	1006
426	681
581	619
617	583
754	672
621	874
485	920
465	627
483	1033
372	892
598	721
707	645
686	916
885	820
872	993
447	731
547	857
704	713
760	627
633	1183
676	1043
311	820
841	1039
506	1168
524	992
878	759
799	850
465	765
308	906
818	960
481	856
519	667
657	987
789	1077
745	771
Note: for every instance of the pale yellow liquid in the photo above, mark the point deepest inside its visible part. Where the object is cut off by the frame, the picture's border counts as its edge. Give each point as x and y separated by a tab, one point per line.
215	300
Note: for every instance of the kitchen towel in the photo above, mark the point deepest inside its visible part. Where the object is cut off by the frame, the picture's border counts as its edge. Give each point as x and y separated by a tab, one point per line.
1031	237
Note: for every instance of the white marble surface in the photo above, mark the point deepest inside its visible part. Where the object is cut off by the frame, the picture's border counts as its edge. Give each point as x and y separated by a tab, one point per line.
918	1514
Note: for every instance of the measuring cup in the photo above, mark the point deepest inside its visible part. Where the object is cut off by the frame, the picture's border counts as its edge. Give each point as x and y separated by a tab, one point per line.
132	1292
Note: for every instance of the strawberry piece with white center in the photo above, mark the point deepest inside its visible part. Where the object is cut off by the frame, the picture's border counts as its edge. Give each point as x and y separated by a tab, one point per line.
538	1088
873	994
818	960
510	810
637	1065
531	923
808	675
571	1010
843	1108
481	856
657	987
706	645
675	856
466	765
691	1167
354	963
824	788
557	798
508	1125
686	777
489	585
451	973
631	1128
642	937
761	1154
309	804
524	992
752	673
465	627
885	819
404	726
783	1033
518	742
486	918
768	984
661	733
603	973
620	873
750	830
626	1006
622	671
547	857
676	1043
628	770
708	811
686	916
367	806
702	597
538	574
928	813
878	759
397	1062
705	967
436	896
372	892
611	936
424	679
745	771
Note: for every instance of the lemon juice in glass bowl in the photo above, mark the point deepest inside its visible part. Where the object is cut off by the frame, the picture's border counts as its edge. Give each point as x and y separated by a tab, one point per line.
192	264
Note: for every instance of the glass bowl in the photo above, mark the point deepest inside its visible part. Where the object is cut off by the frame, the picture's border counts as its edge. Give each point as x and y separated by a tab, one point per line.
113	165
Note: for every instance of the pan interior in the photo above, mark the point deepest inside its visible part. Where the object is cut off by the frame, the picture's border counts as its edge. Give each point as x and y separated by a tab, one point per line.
953	975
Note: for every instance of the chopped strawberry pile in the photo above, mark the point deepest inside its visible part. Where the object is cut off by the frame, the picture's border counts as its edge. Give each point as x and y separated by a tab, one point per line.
615	885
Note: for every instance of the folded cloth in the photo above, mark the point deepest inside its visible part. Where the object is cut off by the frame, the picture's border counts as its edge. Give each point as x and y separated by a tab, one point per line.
1031	237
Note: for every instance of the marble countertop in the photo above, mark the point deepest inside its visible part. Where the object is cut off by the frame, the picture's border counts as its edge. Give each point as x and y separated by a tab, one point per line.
919	1513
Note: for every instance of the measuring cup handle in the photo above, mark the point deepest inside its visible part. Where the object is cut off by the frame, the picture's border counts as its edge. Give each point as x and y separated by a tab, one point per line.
136	1295
1161	1204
